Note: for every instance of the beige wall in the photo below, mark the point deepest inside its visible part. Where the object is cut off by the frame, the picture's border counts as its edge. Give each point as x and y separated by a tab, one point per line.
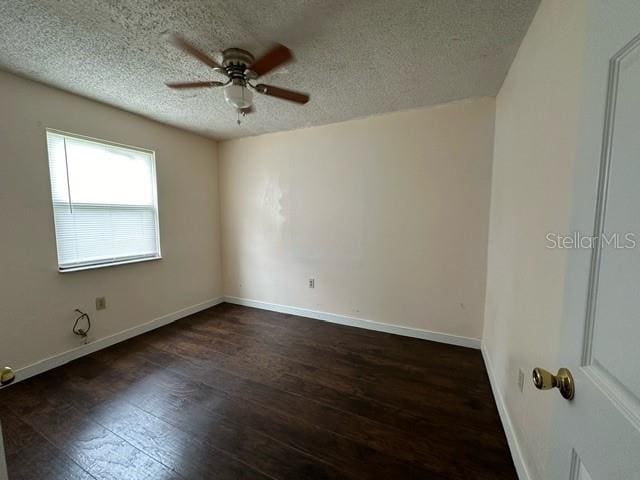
537	116
389	214
36	302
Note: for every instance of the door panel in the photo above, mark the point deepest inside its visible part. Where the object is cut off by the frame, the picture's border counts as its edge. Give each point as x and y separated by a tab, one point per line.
597	435
578	470
615	311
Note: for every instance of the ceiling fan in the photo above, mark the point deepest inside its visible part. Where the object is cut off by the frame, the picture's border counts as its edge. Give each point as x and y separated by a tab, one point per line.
241	68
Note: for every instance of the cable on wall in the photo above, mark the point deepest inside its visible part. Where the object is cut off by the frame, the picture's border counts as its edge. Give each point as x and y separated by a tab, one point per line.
80	331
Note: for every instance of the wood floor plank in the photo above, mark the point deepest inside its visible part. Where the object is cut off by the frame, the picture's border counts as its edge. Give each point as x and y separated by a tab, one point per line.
403	351
275	423
96	449
235	392
168	444
277	396
371	367
446	407
183	404
441	377
376	435
30	455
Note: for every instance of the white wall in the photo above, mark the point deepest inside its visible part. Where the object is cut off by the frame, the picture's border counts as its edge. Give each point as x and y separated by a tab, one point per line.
537	119
36	302
389	214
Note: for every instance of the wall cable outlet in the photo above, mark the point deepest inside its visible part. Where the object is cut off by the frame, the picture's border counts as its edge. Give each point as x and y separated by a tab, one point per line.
101	303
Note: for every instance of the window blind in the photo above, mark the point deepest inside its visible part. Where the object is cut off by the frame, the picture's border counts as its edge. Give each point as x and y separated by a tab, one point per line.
104	202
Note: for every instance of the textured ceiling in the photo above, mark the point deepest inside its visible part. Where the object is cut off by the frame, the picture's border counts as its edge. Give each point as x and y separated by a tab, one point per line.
355	57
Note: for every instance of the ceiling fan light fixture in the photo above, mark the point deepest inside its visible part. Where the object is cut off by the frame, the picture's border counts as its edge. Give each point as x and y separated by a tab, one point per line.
238	95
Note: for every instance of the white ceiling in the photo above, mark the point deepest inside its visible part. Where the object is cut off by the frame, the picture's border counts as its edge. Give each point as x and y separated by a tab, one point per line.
355	57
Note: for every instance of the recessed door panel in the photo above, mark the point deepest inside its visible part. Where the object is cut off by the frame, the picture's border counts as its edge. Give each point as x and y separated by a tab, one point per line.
615	312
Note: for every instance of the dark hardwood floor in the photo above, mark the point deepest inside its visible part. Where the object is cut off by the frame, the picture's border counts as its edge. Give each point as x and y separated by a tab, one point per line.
235	392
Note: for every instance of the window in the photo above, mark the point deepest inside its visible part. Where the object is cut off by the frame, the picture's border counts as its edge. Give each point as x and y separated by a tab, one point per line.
104	202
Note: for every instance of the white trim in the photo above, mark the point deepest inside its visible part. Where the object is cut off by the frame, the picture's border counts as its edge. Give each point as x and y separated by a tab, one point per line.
512	439
116	263
359	322
98	141
3	464
75	353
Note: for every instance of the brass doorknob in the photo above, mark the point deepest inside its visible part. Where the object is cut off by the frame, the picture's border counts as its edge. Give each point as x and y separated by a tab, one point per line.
7	376
563	381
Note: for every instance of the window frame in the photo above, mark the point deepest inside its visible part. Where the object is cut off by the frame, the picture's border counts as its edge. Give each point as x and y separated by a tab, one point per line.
122	260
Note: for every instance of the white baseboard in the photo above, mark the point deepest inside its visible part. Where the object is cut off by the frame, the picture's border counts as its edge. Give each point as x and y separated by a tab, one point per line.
3	464
359	322
514	445
75	353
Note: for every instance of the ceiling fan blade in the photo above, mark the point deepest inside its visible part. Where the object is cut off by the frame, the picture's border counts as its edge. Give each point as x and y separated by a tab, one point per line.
278	55
194	51
292	96
182	85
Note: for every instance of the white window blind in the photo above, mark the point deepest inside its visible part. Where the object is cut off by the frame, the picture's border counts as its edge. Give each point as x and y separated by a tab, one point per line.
104	202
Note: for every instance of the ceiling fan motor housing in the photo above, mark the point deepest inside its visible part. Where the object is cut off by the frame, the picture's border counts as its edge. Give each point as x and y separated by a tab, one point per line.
235	61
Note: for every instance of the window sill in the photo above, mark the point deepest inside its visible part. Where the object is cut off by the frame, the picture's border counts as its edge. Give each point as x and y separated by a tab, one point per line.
106	265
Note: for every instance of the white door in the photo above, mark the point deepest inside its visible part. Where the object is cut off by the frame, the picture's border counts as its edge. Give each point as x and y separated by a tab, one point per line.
597	434
3	464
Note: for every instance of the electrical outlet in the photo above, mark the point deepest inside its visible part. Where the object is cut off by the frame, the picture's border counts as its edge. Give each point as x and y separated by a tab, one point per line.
312	283
520	380
101	303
